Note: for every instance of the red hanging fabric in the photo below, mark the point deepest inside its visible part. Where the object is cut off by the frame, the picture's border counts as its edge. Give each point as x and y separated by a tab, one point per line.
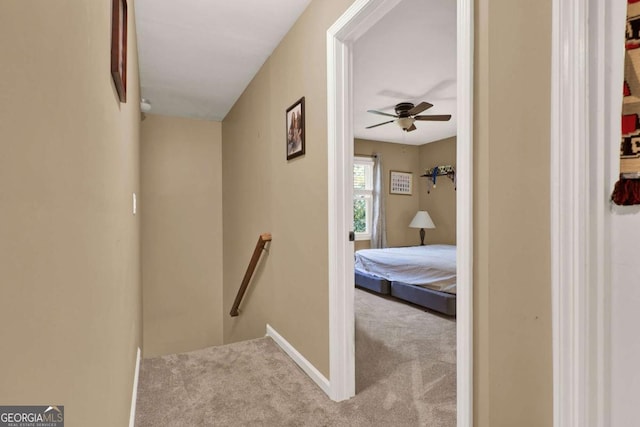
627	189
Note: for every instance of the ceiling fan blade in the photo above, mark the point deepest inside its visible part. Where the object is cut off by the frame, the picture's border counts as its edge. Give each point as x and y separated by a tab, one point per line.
380	124
434	118
381	113
420	108
412	128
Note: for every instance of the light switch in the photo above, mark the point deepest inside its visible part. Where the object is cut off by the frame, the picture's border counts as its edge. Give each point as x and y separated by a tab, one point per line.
135	204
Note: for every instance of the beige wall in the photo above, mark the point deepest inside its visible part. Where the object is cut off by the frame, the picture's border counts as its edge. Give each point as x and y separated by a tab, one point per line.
69	244
400	209
512	304
247	204
69	248
263	192
181	210
441	201
512	299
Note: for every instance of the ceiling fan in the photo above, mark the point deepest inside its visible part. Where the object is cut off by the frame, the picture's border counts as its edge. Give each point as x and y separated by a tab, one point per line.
406	115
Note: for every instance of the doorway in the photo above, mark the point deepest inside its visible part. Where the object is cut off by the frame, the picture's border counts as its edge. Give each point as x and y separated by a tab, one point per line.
340	37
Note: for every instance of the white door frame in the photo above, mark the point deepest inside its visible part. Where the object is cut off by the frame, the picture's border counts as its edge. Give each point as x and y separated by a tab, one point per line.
579	224
340	37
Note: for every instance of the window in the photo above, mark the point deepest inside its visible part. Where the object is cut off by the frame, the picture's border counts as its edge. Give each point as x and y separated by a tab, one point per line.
362	197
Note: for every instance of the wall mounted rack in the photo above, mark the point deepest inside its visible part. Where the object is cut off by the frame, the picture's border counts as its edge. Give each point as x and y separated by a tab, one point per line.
436	171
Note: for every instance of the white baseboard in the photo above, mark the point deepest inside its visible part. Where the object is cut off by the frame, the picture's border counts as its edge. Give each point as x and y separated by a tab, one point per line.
134	394
300	360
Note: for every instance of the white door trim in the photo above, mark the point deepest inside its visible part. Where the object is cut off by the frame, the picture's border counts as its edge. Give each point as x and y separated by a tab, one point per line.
579	237
134	393
464	203
359	17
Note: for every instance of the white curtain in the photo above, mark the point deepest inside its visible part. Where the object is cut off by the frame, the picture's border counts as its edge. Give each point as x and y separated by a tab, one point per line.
378	224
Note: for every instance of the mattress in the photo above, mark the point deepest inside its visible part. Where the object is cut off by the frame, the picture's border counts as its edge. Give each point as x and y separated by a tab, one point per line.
430	266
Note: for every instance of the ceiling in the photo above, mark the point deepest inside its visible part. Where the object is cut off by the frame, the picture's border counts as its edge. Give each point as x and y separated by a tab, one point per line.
197	57
409	55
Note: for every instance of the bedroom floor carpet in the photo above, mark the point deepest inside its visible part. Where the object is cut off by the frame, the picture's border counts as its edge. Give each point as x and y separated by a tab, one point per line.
405	376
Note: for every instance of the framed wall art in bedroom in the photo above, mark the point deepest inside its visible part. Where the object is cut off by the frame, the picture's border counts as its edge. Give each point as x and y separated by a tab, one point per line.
401	183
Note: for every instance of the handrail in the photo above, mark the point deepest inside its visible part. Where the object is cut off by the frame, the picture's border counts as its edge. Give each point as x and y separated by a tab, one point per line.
262	241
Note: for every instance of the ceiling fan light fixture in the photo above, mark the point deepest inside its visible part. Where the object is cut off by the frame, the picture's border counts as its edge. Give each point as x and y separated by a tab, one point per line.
407	114
405	122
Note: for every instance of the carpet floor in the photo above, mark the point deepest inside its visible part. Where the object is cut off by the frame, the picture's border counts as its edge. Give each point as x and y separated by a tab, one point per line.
405	376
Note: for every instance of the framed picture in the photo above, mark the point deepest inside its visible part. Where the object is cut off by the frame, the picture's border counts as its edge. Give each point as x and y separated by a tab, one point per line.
401	183
119	47
295	129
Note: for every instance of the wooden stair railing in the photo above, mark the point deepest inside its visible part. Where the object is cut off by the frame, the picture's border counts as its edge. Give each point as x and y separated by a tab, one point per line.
262	241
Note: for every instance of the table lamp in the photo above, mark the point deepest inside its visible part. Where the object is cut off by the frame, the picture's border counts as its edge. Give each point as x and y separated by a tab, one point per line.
422	220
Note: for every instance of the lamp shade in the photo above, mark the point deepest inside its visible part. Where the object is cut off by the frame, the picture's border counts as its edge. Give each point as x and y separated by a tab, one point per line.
422	220
405	122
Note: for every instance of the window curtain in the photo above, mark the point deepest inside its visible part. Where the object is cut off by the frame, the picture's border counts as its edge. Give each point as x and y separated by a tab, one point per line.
378	224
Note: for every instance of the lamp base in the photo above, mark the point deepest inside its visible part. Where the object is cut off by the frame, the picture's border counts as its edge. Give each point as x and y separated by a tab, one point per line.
422	237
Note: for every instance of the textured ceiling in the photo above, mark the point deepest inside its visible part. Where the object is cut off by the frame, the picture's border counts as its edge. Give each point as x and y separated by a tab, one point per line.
198	56
409	55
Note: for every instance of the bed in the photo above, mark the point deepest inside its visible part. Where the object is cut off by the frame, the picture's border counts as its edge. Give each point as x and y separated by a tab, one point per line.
422	275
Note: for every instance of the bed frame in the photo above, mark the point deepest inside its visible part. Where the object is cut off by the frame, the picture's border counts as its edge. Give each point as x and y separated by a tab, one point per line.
424	297
434	300
373	283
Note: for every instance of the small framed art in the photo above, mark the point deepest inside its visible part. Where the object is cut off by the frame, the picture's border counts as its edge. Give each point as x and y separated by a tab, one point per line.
119	47
401	183
295	129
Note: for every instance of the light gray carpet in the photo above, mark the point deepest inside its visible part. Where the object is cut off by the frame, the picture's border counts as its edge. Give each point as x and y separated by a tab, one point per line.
405	376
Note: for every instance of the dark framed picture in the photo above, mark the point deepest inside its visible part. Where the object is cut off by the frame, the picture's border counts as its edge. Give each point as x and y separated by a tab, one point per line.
295	129
119	47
